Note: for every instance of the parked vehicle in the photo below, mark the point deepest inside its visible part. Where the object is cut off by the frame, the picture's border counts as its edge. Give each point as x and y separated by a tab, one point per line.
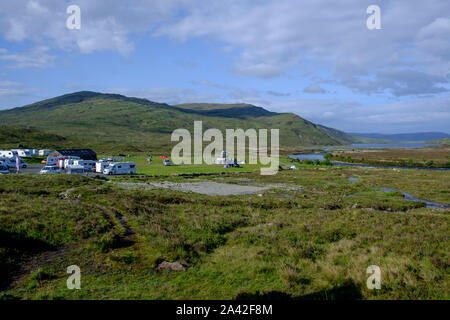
25	153
50	169
44	152
75	169
120	168
8	154
88	165
51	161
11	162
8	162
3	168
101	165
22	163
66	161
167	162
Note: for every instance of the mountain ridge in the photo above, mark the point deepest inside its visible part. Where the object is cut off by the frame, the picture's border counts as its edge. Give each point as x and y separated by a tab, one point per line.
107	120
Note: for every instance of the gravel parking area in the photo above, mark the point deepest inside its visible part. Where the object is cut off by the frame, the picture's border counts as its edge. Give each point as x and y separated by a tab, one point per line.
210	188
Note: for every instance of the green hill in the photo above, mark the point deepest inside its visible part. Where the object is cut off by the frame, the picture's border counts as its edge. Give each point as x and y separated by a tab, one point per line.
107	122
29	138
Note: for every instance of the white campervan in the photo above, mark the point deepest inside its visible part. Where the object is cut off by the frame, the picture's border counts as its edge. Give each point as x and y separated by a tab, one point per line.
88	165
120	168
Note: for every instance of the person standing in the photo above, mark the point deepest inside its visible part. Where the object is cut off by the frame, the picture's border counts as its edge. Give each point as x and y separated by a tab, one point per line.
17	163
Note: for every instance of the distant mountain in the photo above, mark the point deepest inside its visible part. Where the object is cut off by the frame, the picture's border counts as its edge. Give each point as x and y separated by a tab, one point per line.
419	136
346	137
107	122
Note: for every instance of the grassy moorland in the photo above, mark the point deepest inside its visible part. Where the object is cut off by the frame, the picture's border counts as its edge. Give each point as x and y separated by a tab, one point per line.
438	156
312	236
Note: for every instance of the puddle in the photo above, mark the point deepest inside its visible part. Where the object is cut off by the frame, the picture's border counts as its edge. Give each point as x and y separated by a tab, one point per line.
408	197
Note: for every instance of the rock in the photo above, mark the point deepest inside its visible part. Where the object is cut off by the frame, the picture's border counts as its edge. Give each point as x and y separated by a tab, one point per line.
173	266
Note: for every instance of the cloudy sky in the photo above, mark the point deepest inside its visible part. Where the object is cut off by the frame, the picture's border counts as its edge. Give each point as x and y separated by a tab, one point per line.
315	58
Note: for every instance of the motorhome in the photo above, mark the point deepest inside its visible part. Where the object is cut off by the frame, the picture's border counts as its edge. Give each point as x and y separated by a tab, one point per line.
102	164
75	169
3	168
120	168
8	153
88	165
11	162
67	161
62	162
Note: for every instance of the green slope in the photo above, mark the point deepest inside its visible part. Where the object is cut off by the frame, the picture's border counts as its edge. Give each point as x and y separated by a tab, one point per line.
107	122
29	138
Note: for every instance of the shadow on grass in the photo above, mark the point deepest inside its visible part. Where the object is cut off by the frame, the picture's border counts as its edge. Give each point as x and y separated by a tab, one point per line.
14	247
348	291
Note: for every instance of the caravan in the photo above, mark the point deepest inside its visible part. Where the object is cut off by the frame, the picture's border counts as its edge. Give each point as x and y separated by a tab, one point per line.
102	164
120	168
11	162
24	153
44	152
3	168
8	153
88	165
75	169
67	161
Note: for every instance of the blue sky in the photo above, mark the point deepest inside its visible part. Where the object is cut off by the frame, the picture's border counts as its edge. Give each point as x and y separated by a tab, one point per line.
315	58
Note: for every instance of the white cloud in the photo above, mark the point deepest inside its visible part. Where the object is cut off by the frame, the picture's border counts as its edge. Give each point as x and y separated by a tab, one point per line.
427	114
13	92
267	38
38	57
166	95
315	89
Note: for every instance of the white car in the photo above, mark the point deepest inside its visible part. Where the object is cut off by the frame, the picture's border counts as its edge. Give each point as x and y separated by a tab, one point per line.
50	169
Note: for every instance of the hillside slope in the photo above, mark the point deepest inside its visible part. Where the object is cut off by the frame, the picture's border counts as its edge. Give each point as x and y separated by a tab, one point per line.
114	122
27	138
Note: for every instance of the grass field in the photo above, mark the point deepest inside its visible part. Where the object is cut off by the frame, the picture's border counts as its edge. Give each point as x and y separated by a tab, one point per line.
312	237
438	156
